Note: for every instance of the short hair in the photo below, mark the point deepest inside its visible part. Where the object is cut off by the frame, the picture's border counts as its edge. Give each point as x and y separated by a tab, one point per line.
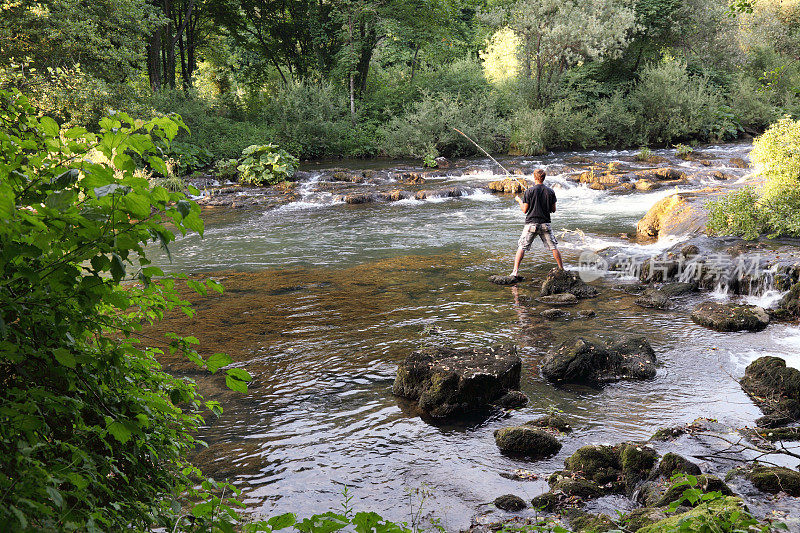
539	174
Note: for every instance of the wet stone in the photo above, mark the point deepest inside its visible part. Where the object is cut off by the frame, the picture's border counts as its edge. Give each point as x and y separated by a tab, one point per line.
554	421
775	479
526	441
672	463
583	361
560	281
512	400
447	382
774	387
553	314
509	502
730	317
654	299
559	299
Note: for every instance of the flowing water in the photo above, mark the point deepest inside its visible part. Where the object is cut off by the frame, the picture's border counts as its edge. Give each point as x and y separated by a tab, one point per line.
323	299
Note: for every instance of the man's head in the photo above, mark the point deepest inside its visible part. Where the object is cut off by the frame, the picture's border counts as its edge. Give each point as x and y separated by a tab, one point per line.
538	175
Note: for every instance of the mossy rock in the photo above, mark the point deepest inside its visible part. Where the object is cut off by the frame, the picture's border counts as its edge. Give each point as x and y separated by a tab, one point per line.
637	461
730	317
775	479
509	502
526	441
643	517
672	464
706	483
708	510
582	522
598	463
554	421
548	502
665	434
773	386
577	487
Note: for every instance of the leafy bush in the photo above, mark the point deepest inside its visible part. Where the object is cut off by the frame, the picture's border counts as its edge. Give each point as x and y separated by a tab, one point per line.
644	154
615	121
187	157
430	122
683	150
266	165
562	125
94	434
226	169
530	132
736	213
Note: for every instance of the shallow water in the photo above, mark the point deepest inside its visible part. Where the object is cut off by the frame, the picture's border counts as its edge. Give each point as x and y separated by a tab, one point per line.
324	299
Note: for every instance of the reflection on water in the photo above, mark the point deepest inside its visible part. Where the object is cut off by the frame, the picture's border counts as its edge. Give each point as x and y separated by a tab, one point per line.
321	303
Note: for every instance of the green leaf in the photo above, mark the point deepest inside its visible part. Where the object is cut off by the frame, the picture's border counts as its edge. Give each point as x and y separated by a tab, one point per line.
137	204
235	384
158	165
217	361
55	495
49	126
117	267
64	357
124	162
184	207
240	373
111	188
120	431
282	521
23	522
7	201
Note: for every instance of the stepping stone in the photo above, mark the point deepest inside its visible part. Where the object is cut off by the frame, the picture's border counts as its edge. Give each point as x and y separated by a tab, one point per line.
506	280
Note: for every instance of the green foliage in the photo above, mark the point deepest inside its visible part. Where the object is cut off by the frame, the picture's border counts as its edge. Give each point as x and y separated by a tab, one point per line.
736	213
430	122
266	165
93	432
644	154
683	151
720	518
226	169
429	158
187	156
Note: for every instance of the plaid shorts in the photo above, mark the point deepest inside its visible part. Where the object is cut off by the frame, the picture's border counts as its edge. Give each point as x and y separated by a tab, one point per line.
531	231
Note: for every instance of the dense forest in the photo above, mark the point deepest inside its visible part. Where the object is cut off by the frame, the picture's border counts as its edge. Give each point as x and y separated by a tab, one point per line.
355	78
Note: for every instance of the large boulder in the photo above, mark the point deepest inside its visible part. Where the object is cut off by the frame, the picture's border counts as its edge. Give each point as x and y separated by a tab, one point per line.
774	387
730	317
447	381
582	361
654	299
680	214
509	185
560	281
526	441
775	479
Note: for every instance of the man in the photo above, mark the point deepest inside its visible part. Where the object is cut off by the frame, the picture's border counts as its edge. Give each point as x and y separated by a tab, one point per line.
537	203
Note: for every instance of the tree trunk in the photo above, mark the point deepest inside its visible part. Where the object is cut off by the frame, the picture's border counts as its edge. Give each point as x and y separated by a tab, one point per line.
414	61
154	61
169	63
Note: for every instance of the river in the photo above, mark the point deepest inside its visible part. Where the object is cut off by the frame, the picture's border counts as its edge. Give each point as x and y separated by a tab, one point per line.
323	299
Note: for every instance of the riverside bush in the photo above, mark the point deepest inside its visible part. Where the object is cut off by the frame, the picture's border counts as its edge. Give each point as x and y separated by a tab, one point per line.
93	433
266	165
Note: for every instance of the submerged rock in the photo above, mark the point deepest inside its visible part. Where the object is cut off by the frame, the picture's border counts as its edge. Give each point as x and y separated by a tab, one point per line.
582	361
529	442
513	399
587	313
506	280
566	298
774	387
447	381
554	421
560	281
730	317
654	299
553	314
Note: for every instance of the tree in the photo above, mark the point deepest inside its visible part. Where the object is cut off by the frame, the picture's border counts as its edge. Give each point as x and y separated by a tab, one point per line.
556	34
93	434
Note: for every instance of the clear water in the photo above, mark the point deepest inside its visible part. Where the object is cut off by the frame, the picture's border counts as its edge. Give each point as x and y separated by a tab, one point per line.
324	299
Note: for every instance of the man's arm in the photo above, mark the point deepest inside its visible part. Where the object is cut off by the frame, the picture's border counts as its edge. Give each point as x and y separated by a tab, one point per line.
522	206
553	203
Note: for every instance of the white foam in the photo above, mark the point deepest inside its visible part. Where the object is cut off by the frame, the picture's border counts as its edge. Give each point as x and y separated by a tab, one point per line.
769	298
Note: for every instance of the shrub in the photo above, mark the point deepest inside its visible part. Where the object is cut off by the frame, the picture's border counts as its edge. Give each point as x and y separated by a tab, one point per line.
683	150
616	122
530	133
430	122
736	213
226	169
644	154
562	125
94	434
266	165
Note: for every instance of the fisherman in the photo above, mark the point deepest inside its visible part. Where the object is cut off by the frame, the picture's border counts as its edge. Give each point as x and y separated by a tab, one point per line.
537	203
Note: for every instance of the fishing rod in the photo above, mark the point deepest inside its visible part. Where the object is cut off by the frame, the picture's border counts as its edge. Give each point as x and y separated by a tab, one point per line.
508	174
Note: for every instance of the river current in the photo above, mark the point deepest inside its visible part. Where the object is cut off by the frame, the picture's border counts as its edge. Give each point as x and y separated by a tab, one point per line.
323	299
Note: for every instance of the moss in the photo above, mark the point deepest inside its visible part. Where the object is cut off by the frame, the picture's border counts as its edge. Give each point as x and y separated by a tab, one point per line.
643	517
554	421
548	502
582	522
708	510
665	434
775	479
509	502
637	461
773	386
579	487
597	462
779	434
530	442
672	464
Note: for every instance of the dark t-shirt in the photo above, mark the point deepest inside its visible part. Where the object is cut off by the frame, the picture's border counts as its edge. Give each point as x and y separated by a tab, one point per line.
540	200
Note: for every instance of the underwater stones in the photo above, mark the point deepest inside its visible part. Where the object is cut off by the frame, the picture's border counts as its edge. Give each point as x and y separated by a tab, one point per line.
513	399
774	387
730	317
448	382
582	361
506	280
553	314
566	298
509	502
559	281
526	441
587	313
554	421
672	463
775	479
654	299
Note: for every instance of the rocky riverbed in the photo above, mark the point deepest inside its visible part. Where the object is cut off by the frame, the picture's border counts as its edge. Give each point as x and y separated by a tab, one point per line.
325	299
